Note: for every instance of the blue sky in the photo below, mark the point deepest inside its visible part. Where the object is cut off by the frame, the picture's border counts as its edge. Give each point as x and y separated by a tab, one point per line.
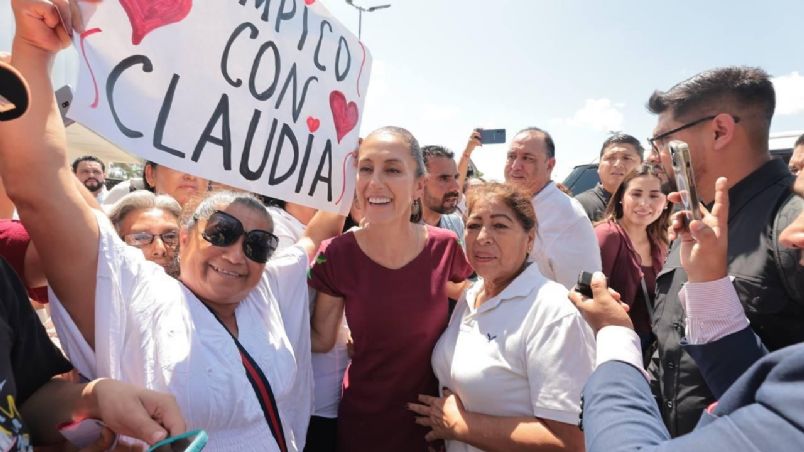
577	69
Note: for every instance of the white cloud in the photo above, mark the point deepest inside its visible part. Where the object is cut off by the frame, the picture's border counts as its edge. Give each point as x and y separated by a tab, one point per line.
789	93
599	114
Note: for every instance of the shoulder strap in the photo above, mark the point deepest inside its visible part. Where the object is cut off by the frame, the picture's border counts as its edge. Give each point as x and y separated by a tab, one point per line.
262	389
787	212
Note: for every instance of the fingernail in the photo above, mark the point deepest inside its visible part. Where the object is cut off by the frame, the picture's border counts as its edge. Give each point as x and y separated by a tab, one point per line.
158	436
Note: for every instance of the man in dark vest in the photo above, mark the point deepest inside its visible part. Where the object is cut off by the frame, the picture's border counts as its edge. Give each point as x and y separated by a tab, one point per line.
725	115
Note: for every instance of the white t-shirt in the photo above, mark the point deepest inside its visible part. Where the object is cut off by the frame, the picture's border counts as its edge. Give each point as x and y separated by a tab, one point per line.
287	228
565	242
526	352
150	330
328	368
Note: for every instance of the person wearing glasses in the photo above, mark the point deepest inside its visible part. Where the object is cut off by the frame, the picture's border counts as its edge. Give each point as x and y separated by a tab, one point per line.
221	338
151	223
759	394
724	115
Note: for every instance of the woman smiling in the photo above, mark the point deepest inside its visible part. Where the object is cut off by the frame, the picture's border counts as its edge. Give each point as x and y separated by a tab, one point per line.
390	275
633	243
515	355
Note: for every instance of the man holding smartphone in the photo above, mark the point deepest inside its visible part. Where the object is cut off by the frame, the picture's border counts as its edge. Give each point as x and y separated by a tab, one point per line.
724	115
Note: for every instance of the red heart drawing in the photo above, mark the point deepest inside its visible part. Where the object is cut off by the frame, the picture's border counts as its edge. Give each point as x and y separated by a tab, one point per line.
344	114
147	15
313	123
309	2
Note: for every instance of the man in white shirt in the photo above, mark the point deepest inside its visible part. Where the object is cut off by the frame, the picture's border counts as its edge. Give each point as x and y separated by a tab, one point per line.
565	242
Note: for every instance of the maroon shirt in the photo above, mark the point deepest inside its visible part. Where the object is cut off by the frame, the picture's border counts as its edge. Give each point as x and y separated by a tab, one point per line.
396	317
14	240
622	266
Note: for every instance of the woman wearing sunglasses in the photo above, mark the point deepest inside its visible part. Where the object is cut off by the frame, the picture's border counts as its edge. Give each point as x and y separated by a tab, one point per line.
151	223
390	276
222	338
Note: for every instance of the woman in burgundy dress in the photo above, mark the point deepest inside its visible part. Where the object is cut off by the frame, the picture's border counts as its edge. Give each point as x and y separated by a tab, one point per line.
390	276
633	243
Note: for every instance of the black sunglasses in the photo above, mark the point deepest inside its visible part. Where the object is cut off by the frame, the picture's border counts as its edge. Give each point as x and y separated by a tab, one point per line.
223	230
656	142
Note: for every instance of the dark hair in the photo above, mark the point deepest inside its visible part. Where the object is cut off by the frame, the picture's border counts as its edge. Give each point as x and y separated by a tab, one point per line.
657	231
622	138
548	139
799	141
744	92
410	140
87	158
145	183
432	150
516	200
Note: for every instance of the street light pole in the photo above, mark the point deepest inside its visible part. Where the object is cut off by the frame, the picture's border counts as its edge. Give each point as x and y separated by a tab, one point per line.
360	11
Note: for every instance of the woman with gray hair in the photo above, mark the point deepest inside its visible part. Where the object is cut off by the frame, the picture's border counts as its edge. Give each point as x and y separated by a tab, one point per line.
151	223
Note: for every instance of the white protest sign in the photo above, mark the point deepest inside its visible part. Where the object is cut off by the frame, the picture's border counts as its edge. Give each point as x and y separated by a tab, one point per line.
263	95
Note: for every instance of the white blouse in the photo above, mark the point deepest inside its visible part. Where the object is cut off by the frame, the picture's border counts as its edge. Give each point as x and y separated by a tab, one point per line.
525	353
150	330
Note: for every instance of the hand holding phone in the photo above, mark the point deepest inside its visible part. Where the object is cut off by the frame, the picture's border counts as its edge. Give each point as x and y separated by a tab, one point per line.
584	285
685	180
192	441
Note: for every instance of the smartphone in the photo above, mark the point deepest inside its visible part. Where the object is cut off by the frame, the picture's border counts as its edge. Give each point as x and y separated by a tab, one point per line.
193	441
492	136
685	179
584	285
64	97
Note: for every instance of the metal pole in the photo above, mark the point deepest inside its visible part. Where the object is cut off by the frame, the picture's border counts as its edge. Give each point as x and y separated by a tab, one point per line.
360	24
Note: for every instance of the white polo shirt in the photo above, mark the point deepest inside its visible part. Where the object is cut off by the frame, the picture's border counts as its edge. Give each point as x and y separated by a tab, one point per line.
565	242
526	352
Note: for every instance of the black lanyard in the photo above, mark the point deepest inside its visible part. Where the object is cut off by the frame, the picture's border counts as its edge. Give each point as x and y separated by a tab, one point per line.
261	388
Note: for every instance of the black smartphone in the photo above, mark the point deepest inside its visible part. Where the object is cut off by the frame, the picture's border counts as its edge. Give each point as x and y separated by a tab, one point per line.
64	97
685	179
492	136
584	285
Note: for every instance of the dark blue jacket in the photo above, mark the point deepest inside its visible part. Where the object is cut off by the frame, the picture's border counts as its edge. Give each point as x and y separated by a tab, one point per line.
762	409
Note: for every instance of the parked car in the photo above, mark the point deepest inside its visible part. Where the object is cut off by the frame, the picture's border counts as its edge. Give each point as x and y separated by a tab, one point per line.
583	177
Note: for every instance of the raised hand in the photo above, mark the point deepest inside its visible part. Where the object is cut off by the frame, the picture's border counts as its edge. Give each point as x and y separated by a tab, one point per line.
604	309
705	243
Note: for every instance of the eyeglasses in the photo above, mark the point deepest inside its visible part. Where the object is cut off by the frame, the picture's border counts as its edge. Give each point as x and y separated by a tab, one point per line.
657	142
141	239
224	230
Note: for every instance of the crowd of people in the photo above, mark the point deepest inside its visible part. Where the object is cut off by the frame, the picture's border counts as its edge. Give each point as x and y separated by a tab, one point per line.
443	314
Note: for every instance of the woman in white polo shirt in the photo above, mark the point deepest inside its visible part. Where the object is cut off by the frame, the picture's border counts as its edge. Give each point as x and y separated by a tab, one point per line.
515	356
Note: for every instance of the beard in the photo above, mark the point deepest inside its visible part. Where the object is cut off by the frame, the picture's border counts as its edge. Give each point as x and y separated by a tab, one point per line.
445	206
93	184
